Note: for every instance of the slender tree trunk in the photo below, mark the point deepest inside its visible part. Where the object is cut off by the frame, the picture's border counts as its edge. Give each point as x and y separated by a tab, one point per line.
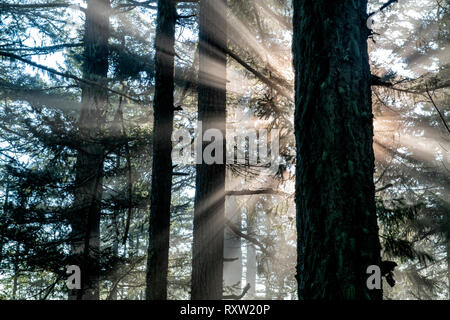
16	272
207	261
115	245
445	202
336	218
4	212
14	290
266	262
448	269
114	273
251	253
268	286
232	270
159	228
89	164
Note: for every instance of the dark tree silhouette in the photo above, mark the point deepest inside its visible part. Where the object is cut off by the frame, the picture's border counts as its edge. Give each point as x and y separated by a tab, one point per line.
207	260
336	218
163	106
89	164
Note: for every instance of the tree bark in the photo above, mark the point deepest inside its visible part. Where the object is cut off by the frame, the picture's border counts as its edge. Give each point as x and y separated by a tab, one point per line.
447	251
160	197
336	217
16	272
113	278
207	261
89	163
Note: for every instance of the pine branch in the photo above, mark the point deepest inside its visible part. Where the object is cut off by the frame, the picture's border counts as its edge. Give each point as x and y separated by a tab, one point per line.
280	19
384	6
52	287
131	4
230	259
384	188
377	81
257	74
36	6
238	297
65	75
33	7
44	49
238	232
438	111
253	192
180	174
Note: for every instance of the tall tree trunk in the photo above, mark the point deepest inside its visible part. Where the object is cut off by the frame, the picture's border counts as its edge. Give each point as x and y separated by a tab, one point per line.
445	204
115	245
207	260
268	286
159	228
4	212
251	270
89	164
16	272
448	269
251	252
336	218
265	261
232	269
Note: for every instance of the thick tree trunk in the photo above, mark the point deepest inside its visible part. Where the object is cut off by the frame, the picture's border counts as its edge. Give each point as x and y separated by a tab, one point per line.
159	227
207	261
336	218
89	164
232	269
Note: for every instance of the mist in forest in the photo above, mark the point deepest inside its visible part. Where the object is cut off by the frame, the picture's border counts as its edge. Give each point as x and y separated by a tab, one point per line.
336	117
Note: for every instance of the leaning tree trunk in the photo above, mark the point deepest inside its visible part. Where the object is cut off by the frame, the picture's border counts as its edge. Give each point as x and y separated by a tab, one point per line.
336	218
89	163
207	260
159	227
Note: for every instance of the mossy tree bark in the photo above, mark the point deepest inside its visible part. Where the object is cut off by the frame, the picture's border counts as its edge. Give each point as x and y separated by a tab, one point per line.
207	260
89	163
160	197
336	217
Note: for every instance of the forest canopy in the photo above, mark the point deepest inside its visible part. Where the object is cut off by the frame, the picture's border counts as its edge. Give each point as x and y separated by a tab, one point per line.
224	149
